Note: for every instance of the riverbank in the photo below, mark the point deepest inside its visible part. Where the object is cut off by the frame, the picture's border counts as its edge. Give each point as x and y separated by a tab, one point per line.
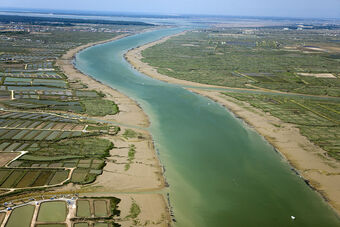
134	57
306	158
129	111
145	173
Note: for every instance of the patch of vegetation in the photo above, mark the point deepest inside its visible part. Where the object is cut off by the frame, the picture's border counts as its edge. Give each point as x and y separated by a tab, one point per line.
127	166
131	156
85	147
114	206
134	210
317	119
67	150
43	105
129	133
97	127
28	157
112	130
132	152
99	107
263	57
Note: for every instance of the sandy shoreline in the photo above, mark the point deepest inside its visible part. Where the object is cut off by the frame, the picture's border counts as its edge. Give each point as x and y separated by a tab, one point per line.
145	172
306	158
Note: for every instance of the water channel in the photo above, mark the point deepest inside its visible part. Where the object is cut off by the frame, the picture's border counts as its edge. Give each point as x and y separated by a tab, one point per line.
220	172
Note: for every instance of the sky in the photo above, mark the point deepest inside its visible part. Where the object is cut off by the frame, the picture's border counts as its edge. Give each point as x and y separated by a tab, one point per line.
279	8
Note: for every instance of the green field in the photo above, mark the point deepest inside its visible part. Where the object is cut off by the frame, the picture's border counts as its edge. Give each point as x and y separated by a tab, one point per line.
99	107
85	147
87	171
51	225
98	224
55	211
79	176
4	173
58	177
317	119
34	158
28	179
265	57
100	208
43	178
81	225
21	216
85	154
13	179
83	208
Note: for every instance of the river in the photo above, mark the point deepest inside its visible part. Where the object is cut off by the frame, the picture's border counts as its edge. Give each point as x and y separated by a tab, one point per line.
220	171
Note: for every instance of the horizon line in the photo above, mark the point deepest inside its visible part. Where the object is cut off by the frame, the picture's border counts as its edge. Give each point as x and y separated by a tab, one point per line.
124	13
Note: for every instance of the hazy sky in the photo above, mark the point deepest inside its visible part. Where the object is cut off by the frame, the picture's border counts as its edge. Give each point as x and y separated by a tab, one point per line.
290	8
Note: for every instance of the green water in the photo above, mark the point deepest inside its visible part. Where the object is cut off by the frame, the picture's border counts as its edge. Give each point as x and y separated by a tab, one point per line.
220	172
